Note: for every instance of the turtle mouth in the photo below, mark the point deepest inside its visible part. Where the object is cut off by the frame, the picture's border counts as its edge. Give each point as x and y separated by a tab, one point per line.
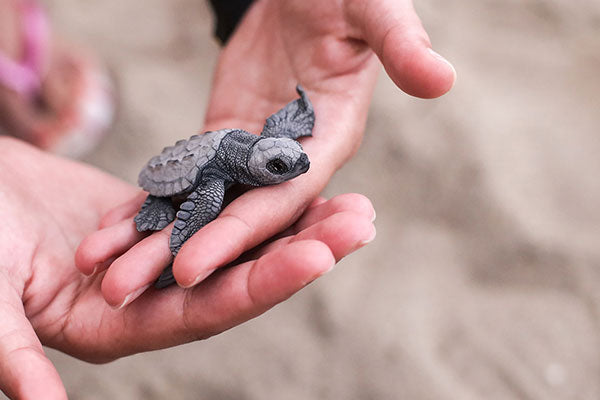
302	165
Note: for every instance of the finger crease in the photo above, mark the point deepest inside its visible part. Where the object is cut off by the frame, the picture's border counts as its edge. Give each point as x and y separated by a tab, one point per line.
188	326
249	229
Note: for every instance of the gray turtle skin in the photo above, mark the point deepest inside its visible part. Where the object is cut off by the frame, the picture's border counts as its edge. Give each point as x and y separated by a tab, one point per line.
195	173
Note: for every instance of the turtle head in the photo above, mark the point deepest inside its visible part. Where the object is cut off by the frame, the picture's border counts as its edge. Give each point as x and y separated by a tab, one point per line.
275	160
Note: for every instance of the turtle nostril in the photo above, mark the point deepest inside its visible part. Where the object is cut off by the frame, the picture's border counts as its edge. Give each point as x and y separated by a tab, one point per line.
303	163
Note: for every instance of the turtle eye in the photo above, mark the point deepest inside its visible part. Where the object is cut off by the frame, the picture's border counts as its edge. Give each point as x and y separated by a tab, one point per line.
277	166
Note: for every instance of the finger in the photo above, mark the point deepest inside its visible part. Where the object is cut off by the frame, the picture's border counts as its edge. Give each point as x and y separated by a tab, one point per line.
316	202
123	211
97	250
133	272
123	283
248	221
395	33
25	372
352	202
322	209
343	232
240	294
228	298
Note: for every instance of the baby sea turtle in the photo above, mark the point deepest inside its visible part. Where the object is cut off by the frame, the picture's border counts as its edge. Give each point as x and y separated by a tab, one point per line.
195	173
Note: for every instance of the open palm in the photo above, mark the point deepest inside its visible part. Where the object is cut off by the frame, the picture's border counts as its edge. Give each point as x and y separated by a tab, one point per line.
49	204
332	50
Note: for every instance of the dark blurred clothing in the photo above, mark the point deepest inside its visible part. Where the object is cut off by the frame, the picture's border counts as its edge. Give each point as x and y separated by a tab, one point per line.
228	14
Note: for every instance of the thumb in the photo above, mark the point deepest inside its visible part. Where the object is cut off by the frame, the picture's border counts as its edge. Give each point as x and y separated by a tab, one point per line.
25	372
395	33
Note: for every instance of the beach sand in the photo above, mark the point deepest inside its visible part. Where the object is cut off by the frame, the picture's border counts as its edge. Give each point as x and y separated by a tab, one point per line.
484	279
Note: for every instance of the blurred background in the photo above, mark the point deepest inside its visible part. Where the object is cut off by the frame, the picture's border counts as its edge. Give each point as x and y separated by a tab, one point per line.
484	279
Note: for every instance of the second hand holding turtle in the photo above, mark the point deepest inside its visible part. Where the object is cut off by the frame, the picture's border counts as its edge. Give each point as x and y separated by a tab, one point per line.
198	171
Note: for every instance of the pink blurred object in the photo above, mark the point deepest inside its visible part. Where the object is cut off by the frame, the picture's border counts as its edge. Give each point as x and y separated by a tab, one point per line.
94	111
24	76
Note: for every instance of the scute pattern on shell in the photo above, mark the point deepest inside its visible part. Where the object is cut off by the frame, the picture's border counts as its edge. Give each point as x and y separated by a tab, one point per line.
175	169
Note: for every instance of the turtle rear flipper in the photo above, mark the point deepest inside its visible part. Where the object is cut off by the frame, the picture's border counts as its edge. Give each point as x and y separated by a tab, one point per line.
156	214
166	278
295	120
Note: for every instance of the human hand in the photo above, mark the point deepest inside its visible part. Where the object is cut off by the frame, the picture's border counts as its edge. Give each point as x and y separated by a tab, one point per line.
48	204
331	49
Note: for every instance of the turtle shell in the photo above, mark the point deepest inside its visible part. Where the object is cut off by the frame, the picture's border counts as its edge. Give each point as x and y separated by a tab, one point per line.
175	170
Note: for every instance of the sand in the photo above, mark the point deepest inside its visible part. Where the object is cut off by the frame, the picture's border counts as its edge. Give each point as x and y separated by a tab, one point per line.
484	279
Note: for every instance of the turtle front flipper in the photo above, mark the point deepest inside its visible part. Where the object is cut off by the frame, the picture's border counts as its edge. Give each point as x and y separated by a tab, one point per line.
156	213
201	206
295	120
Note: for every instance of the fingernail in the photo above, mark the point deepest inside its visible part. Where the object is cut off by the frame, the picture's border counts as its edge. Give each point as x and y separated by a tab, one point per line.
439	57
101	266
133	295
330	268
320	274
93	271
199	278
374	216
370	238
